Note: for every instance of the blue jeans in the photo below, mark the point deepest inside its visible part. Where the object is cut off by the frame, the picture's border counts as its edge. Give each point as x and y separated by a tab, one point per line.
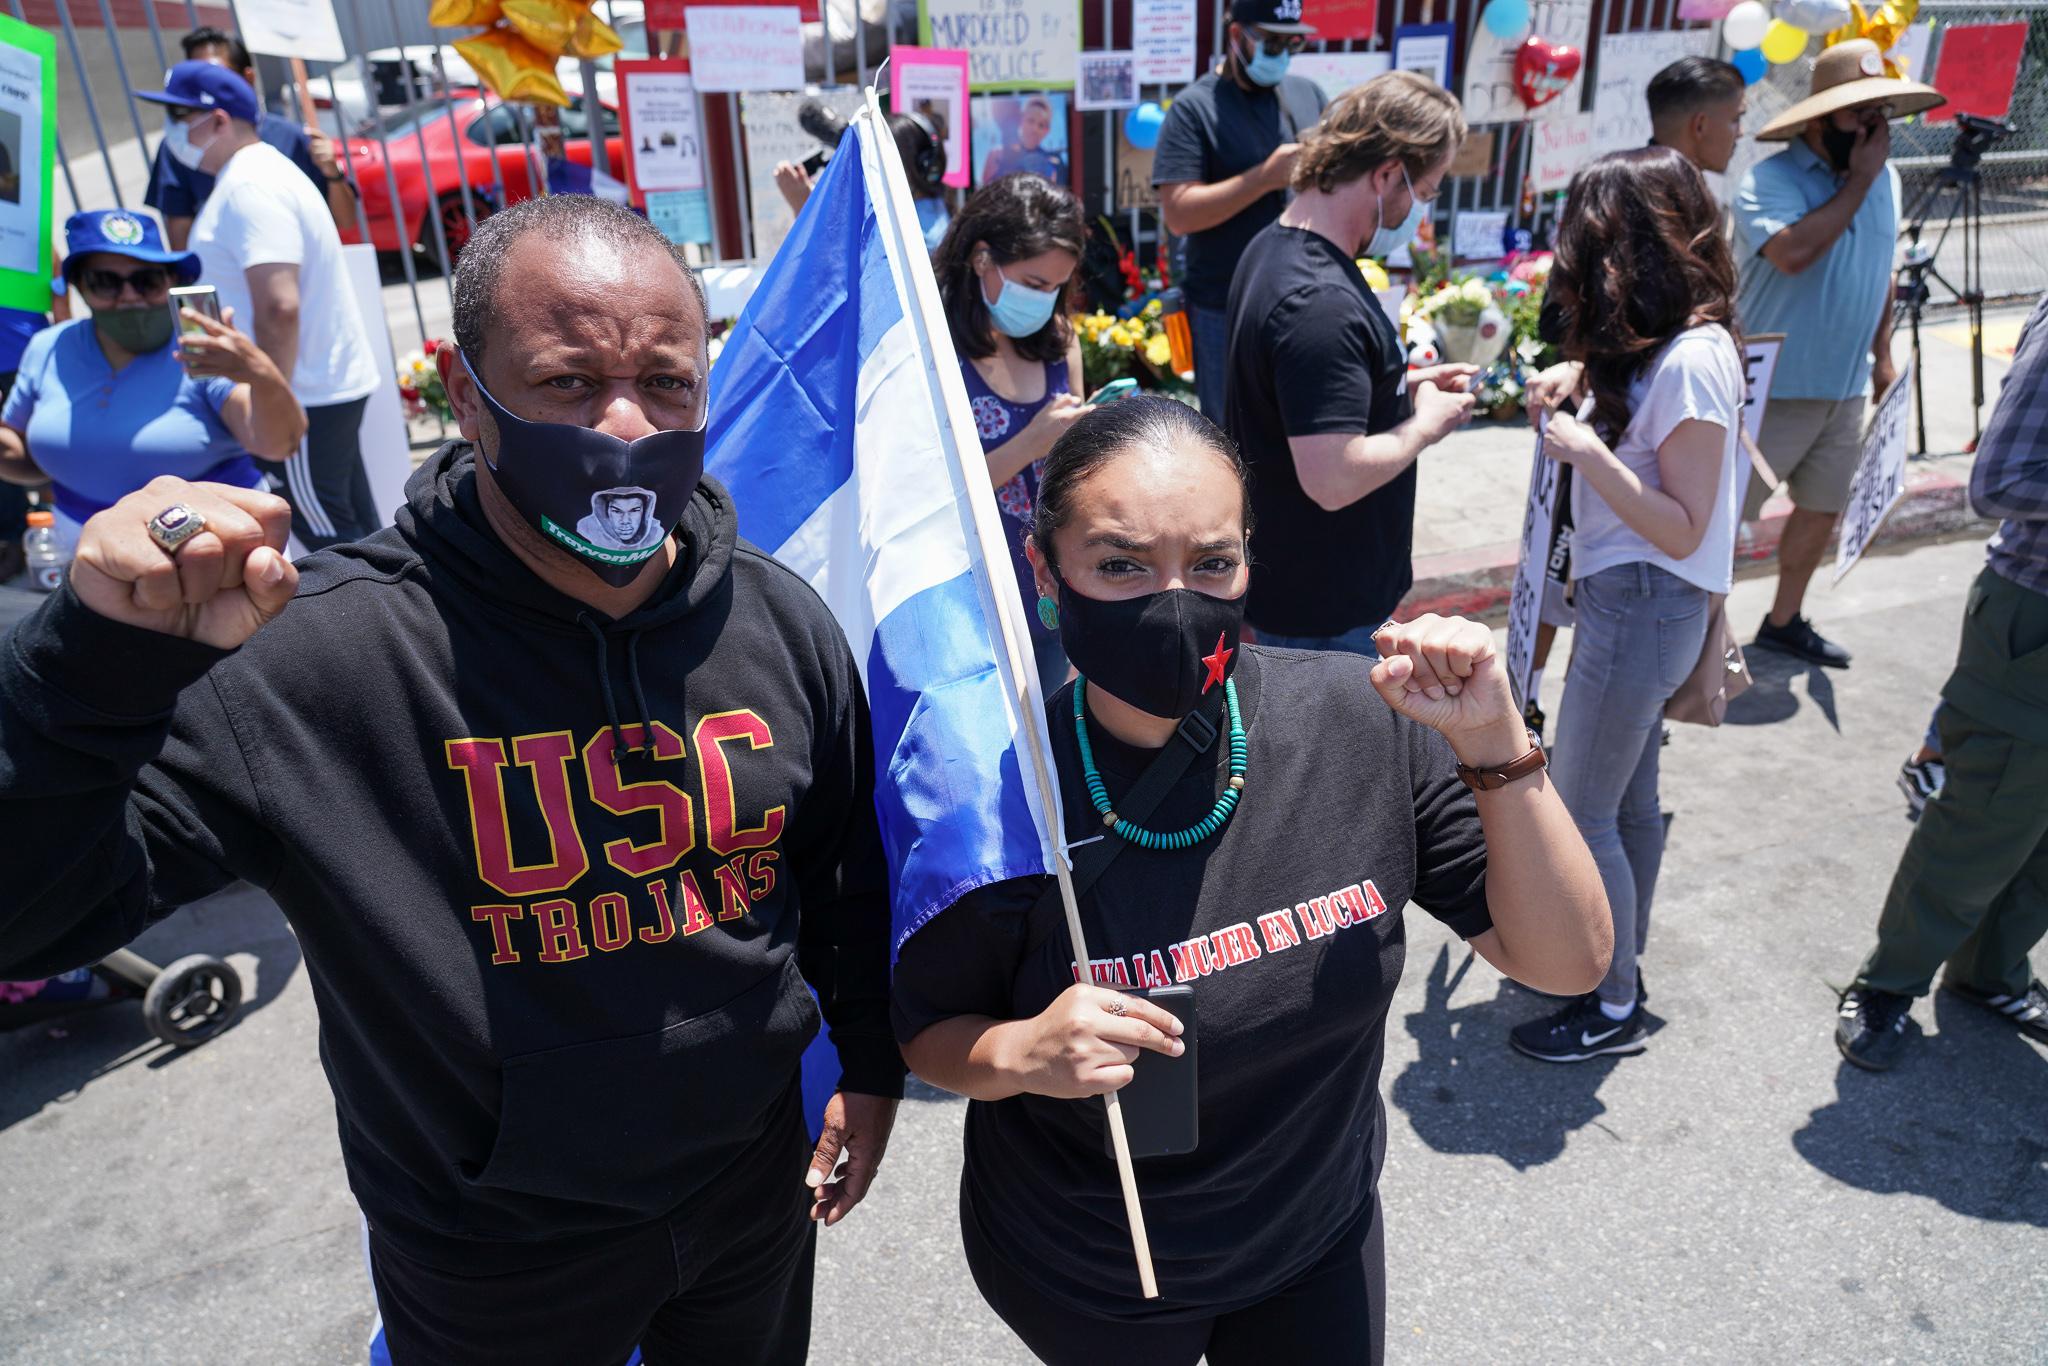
1212	358
1638	637
1356	641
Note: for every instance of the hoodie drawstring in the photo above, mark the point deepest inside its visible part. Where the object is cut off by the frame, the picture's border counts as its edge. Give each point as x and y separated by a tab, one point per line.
604	684
639	693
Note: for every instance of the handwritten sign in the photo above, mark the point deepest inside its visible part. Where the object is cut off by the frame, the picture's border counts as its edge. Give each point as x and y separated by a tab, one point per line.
1880	480
772	135
1560	148
1491	95
1336	72
1476	235
658	126
746	47
934	83
1621	110
1011	44
1163	37
1543	516
1759	364
1134	188
1977	68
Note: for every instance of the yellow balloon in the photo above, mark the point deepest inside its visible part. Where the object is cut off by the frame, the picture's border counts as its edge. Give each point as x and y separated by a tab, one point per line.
1782	43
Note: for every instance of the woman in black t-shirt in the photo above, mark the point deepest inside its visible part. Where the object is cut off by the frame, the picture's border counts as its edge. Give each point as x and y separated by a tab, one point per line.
1283	908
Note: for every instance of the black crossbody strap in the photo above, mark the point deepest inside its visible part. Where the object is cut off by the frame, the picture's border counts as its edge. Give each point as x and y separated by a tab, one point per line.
1195	737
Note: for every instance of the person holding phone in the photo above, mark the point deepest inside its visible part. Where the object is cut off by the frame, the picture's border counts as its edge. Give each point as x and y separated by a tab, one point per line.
1003	269
102	405
1270	878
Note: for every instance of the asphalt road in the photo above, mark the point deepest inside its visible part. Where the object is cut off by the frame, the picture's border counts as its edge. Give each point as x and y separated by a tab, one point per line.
1735	1194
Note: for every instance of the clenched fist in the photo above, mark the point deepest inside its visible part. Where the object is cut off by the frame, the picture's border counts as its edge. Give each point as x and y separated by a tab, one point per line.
219	586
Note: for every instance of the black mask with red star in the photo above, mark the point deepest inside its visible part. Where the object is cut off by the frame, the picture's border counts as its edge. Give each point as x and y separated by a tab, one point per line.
1163	653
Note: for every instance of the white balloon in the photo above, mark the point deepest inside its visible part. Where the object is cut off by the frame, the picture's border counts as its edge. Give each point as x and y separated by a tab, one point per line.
1745	25
1814	16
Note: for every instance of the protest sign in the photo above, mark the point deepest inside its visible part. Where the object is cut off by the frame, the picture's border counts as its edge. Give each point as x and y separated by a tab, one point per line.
1106	80
1542	522
1621	110
772	134
1163	37
291	28
1476	235
681	215
1426	49
1336	72
1880	480
1134	189
933	82
1010	44
1491	92
1759	363
1561	147
1339	20
28	147
1977	68
745	47
658	126
1475	154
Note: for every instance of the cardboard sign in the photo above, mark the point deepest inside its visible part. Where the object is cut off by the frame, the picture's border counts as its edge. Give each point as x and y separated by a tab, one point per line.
1105	80
1010	44
1336	72
1475	154
1560	148
1621	111
1491	92
1880	480
1542	516
1163	37
658	126
305	29
933	82
1134	188
1426	48
746	47
1977	68
28	140
769	127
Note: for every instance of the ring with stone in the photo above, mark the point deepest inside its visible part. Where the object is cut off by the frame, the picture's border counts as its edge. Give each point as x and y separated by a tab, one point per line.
174	526
1116	1007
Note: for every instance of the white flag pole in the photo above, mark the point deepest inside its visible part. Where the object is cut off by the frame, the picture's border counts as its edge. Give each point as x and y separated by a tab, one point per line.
928	318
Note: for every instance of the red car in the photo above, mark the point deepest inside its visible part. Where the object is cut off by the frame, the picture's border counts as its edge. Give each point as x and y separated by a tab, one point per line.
491	145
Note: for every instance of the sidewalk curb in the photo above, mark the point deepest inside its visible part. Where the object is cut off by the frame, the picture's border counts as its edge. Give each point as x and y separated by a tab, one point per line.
1476	582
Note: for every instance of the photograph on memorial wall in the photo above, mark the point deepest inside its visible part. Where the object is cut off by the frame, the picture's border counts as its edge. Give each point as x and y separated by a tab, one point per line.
1020	133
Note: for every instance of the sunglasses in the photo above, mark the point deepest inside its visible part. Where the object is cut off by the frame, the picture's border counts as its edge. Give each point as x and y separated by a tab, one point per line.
1277	44
107	283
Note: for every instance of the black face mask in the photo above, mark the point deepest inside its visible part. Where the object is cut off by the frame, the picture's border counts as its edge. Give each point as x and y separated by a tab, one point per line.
1838	144
1162	653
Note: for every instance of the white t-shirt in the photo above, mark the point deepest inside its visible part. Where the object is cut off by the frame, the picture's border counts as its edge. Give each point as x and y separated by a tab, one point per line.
1696	376
263	211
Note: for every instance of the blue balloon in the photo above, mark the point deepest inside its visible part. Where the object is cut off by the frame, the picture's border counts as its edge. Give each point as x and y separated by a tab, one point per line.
1141	125
1506	18
1752	63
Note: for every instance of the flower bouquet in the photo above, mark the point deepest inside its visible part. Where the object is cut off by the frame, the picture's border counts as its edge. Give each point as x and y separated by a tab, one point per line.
1113	348
1468	320
419	383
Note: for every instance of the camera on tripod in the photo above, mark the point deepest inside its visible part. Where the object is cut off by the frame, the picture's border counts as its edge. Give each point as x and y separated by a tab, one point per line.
1974	136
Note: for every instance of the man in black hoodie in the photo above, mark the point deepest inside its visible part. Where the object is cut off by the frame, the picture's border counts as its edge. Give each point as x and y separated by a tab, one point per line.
564	831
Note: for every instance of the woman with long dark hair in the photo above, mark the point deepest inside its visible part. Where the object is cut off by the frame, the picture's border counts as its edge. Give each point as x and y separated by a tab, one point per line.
1306	797
1003	272
1646	281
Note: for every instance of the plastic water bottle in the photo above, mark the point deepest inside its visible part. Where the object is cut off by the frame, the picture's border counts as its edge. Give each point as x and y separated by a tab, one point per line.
47	558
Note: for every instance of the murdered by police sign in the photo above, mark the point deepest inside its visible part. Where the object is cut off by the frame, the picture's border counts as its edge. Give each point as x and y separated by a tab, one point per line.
1880	475
1010	44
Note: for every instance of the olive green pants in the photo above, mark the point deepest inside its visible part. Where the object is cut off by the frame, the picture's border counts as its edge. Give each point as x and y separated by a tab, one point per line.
1971	889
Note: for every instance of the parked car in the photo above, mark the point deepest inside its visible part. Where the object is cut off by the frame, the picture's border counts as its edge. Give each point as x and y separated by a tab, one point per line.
461	137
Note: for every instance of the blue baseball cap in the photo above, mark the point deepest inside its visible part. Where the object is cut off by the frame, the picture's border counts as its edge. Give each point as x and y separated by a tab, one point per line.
206	85
124	234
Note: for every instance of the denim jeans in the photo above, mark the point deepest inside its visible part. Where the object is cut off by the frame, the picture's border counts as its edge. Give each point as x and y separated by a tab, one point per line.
1356	641
1638	637
1211	327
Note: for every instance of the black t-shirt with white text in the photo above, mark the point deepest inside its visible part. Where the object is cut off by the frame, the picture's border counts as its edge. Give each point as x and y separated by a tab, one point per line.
1214	130
1288	924
1312	353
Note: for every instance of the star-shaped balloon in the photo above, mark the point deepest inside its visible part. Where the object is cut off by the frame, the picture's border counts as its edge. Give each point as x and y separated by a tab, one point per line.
1885	27
515	55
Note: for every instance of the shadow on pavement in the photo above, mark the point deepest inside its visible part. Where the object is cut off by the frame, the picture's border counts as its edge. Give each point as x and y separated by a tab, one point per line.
1469	1092
1772	699
1959	1121
54	1060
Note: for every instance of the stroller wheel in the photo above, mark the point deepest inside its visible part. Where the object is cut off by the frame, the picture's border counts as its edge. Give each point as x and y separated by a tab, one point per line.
192	1000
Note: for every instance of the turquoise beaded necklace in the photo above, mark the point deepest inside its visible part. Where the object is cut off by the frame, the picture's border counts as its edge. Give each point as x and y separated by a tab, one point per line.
1217	818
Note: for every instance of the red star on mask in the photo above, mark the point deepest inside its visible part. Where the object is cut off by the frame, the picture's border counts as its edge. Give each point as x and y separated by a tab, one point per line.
1219	663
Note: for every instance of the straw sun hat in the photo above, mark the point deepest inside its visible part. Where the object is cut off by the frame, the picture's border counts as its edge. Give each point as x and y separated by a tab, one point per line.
1849	73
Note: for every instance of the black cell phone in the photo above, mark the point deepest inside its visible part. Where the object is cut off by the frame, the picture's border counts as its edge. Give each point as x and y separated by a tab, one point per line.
1159	1103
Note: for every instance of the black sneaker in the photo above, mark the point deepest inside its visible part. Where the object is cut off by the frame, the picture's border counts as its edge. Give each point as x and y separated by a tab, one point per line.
1580	1032
2028	1012
1870	1027
1797	637
1920	782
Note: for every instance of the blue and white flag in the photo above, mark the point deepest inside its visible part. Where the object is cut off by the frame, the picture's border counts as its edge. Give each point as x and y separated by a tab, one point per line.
840	423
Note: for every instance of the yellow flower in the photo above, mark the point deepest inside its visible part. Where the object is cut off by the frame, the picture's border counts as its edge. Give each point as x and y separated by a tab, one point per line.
1155	308
1119	335
1158	351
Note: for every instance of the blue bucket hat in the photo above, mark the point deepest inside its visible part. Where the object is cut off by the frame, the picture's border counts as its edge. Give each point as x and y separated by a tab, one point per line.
206	85
124	234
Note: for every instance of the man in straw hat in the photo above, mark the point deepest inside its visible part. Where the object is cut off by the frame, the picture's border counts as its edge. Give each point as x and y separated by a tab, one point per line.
1815	227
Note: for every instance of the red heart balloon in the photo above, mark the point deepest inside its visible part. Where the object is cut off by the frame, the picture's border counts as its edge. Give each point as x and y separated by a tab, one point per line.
1543	70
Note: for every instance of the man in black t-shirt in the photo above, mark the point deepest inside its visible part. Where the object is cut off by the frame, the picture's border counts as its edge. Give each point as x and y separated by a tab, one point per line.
1225	154
1320	400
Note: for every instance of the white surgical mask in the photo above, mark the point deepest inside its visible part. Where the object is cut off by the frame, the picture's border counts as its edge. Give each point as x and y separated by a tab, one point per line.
178	142
1386	240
